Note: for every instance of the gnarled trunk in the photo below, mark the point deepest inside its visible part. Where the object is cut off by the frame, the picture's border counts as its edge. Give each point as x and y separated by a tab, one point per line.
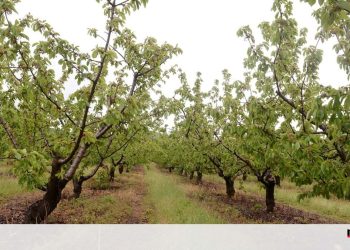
270	196
269	182
38	211
77	188
245	176
78	182
121	169
230	190
199	177
111	173
278	180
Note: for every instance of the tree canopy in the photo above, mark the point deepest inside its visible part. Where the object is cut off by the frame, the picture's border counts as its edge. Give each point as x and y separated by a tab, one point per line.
279	121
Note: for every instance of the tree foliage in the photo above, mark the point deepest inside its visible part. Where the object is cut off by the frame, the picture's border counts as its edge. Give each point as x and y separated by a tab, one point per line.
278	121
47	131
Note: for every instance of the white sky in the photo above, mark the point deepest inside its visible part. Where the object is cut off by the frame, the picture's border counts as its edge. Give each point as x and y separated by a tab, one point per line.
204	29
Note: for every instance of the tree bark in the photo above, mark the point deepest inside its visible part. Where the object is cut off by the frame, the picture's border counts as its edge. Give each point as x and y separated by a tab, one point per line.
270	196
230	190
38	211
78	182
120	165
269	182
8	132
245	176
278	180
182	171
121	169
111	173
191	175
199	177
77	188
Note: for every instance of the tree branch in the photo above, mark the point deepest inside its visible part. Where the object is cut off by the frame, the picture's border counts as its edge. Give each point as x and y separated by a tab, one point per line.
9	133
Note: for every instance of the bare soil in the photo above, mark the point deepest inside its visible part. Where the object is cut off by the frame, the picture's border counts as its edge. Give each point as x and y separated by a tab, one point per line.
138	214
128	205
13	211
251	208
128	190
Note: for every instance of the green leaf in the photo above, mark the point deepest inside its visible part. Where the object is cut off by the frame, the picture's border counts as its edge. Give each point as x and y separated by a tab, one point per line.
311	2
17	155
347	102
344	5
94	53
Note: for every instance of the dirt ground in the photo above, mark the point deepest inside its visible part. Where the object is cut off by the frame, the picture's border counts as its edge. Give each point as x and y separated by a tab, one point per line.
250	207
124	203
13	211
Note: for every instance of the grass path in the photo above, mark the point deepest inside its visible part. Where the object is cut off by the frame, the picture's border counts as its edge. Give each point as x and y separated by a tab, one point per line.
150	195
244	208
169	203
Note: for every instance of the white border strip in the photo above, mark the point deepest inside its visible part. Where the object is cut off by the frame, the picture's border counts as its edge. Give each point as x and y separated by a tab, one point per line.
201	237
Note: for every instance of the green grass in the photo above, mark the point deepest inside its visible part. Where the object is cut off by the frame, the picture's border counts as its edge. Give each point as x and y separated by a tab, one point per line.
5	168
288	194
170	204
101	210
9	187
8	184
334	208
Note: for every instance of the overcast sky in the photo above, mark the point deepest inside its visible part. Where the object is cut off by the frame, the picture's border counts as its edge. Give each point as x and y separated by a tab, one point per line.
204	29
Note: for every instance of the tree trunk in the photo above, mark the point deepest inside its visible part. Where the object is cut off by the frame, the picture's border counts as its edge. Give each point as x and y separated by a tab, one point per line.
191	175
270	196
78	182
38	211
111	173
230	190
127	170
245	176
199	177
121	169
182	171
278	180
77	188
170	169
